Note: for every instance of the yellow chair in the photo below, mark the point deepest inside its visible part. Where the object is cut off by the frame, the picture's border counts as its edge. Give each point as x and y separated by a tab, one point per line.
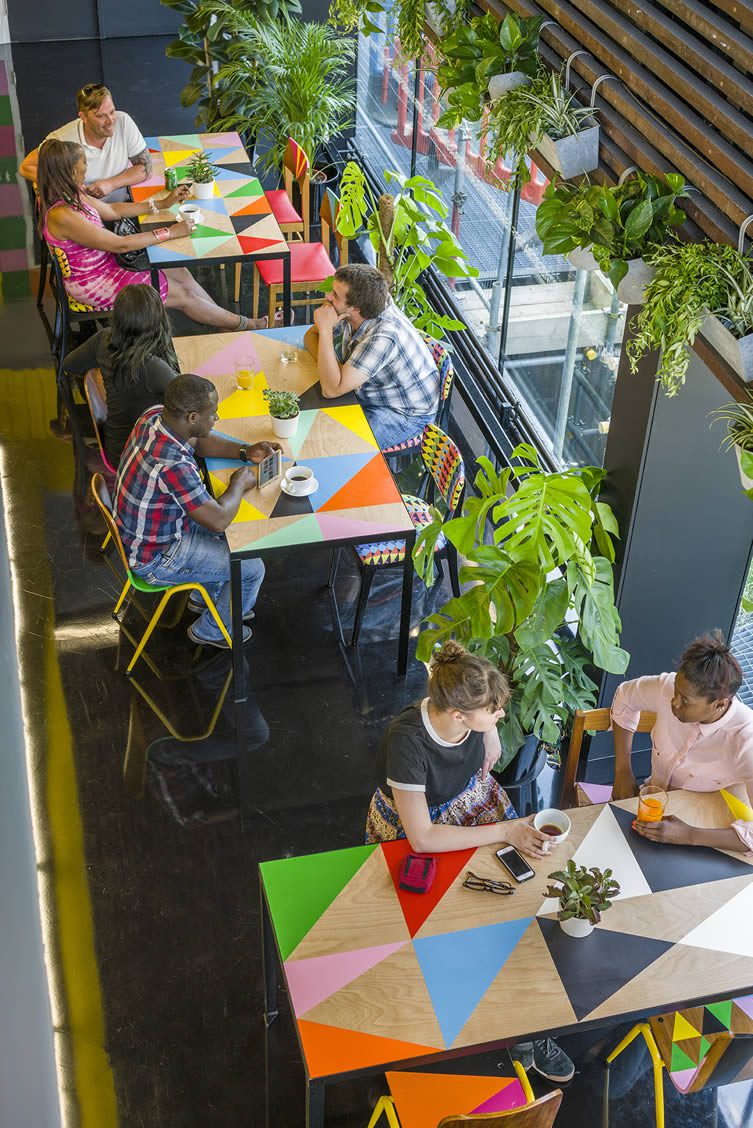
135	583
590	720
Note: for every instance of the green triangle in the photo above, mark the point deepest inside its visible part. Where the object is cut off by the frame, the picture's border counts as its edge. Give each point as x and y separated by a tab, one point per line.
705	1047
722	1011
305	423
680	1060
252	188
206	246
299	890
304	531
190	140
201	231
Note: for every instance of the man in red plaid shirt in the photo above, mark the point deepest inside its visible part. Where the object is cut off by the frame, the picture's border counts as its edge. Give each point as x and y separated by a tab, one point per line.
171	526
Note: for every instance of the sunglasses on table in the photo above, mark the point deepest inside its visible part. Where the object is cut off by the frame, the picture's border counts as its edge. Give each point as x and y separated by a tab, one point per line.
487	885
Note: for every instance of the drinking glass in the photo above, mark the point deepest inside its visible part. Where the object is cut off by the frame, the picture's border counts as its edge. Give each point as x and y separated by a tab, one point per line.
244	374
652	802
289	356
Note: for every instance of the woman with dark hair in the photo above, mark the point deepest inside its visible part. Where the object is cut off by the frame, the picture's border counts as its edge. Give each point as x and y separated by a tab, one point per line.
702	740
72	223
137	360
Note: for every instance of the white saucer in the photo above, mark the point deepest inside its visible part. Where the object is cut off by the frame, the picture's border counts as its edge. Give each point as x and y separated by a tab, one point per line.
309	488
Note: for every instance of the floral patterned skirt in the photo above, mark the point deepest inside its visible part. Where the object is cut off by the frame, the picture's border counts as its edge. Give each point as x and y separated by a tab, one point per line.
482	802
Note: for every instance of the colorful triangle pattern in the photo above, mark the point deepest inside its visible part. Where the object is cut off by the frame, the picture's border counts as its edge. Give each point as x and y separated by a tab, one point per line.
351	1050
312	981
423	1099
416	909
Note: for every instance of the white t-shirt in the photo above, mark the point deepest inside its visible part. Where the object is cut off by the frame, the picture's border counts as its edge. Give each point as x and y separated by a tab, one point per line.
117	152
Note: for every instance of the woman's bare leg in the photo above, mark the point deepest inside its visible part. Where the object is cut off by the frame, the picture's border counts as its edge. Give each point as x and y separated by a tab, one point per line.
185	293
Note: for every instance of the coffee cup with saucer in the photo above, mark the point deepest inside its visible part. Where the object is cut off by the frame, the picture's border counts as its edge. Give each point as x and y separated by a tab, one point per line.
299	481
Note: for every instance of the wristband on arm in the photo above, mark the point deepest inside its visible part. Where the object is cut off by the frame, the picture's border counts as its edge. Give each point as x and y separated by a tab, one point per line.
161	233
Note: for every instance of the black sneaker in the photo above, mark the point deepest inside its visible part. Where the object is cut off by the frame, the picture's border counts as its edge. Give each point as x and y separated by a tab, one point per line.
218	642
552	1062
522	1052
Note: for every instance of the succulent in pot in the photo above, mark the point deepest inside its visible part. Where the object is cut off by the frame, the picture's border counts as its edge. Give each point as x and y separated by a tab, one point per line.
583	895
202	172
284	410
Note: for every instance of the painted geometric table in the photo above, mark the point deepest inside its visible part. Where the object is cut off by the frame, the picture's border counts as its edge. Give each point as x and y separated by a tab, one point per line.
237	222
377	976
356	500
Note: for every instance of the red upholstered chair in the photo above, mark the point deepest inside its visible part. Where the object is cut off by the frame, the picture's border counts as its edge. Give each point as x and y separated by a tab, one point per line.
310	263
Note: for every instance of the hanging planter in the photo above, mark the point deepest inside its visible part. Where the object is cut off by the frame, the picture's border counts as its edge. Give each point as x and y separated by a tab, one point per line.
632	289
573	155
501	84
738	418
736	351
582	258
745	468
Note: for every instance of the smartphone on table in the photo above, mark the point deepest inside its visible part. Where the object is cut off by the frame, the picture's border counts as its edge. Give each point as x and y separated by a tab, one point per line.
515	863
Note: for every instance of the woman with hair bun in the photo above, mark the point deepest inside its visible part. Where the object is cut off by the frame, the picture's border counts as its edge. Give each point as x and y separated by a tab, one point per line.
702	740
435	786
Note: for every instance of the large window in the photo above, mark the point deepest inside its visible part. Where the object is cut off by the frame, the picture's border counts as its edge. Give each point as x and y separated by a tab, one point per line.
555	333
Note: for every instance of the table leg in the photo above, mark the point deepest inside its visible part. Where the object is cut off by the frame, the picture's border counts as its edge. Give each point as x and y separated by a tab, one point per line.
236	602
155	278
405	606
287	296
314	1104
269	964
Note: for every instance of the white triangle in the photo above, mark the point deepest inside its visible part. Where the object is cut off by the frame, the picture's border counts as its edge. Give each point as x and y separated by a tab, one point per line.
728	929
605	846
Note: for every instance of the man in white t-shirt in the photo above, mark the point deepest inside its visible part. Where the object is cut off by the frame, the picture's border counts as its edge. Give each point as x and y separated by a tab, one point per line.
116	153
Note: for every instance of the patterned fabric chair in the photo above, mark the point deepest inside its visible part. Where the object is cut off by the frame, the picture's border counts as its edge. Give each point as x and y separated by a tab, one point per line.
443	361
444	465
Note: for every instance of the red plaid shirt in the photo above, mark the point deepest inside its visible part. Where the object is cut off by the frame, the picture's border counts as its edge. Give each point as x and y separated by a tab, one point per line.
158	486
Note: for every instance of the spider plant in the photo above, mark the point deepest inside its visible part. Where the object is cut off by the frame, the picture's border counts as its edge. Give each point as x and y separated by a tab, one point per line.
738	416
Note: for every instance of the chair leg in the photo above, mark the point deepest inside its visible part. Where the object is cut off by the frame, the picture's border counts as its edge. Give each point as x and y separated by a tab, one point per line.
257	283
644	1030
333	567
386	1106
213	611
367	579
123	594
148	632
274	297
238	284
105	542
524	1082
44	263
452	567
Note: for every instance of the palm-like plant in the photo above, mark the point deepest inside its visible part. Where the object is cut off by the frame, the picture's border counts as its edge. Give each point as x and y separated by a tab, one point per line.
290	79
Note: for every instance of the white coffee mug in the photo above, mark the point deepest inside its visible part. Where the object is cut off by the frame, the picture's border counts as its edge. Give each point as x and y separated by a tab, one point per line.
191	213
298	477
549	819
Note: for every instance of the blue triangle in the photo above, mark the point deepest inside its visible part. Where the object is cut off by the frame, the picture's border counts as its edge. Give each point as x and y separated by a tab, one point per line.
290	335
334	472
162	254
213	204
459	968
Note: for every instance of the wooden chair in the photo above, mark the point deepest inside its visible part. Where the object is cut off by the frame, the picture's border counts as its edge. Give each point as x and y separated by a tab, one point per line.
590	720
69	315
135	583
94	391
310	263
442	359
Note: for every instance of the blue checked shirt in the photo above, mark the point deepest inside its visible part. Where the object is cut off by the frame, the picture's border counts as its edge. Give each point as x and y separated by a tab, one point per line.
402	375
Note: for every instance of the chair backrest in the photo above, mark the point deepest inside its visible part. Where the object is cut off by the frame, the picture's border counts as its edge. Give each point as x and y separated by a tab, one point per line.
444	463
591	720
443	361
296	167
104	501
94	390
61	270
330	206
541	1114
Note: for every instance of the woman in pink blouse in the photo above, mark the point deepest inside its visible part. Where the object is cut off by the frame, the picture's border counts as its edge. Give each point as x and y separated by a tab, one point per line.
702	739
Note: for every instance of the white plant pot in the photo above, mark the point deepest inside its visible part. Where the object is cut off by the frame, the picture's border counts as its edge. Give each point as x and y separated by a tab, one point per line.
745	481
632	288
572	155
582	259
203	191
576	927
737	351
501	84
285	428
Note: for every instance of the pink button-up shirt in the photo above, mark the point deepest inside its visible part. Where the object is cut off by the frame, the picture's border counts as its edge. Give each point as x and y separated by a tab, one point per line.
692	756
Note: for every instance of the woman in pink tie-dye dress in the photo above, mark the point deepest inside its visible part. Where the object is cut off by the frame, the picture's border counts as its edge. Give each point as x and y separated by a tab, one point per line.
72	223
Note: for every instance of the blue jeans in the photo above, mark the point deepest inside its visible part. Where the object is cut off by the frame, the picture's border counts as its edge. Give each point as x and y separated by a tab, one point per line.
204	556
390	427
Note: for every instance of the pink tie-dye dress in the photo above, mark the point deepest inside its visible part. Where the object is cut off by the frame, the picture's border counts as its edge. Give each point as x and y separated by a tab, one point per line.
92	278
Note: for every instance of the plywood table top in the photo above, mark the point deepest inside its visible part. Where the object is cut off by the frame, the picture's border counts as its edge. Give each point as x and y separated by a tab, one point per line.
357	499
378	975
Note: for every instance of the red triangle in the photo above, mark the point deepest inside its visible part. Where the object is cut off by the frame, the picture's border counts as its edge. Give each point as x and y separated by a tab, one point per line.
256	207
249	245
373	485
331	1050
417	907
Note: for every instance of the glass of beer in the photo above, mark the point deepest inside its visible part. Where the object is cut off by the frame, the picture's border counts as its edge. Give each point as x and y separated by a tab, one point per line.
652	802
244	374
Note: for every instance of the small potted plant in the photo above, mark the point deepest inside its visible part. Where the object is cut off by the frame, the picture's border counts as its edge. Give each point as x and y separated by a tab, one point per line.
738	415
583	895
202	172
284	409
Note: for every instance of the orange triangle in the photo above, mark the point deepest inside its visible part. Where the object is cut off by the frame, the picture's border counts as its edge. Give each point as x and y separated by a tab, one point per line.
331	1050
373	485
256	207
418	906
249	245
423	1099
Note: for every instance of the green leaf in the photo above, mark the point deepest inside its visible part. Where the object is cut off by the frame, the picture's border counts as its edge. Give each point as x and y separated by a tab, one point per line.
639	221
547	615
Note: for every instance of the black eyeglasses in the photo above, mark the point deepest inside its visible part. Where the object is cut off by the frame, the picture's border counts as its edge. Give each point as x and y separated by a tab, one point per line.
487	885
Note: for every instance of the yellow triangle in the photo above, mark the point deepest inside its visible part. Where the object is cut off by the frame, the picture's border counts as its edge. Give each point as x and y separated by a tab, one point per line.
246	511
354	419
683	1029
172	158
739	809
218	487
242	403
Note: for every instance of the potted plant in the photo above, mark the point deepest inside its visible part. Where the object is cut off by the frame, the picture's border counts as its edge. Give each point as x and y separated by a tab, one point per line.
201	170
538	557
543	115
284	409
583	895
482	57
402	20
706	287
738	415
408	233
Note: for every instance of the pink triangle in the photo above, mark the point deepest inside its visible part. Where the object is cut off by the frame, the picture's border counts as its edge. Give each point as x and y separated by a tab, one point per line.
597	792
336	528
221	363
745	1003
512	1096
314	980
682	1079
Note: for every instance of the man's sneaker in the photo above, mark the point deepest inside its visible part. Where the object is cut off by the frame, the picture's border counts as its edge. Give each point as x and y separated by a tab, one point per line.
552	1062
197	606
523	1053
218	642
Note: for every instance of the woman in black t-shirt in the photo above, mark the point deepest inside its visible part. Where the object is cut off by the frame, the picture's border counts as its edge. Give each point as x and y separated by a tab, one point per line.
136	358
435	786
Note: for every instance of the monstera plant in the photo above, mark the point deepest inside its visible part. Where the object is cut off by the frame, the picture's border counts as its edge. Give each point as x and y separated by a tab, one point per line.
538	558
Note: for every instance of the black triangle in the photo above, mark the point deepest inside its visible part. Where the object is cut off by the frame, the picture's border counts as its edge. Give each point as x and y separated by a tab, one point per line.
712	1025
242	223
313	398
291	506
673	867
243	168
596	966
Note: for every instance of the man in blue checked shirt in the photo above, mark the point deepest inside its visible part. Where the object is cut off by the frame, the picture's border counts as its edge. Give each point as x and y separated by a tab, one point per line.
364	344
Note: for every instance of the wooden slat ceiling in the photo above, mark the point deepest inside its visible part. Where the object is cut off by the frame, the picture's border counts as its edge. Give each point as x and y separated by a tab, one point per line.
684	99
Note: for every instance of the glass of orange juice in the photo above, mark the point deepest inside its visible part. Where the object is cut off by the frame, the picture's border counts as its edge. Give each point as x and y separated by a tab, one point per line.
244	374
652	802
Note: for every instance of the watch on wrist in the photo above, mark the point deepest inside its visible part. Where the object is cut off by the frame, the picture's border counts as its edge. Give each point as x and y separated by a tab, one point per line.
243	454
